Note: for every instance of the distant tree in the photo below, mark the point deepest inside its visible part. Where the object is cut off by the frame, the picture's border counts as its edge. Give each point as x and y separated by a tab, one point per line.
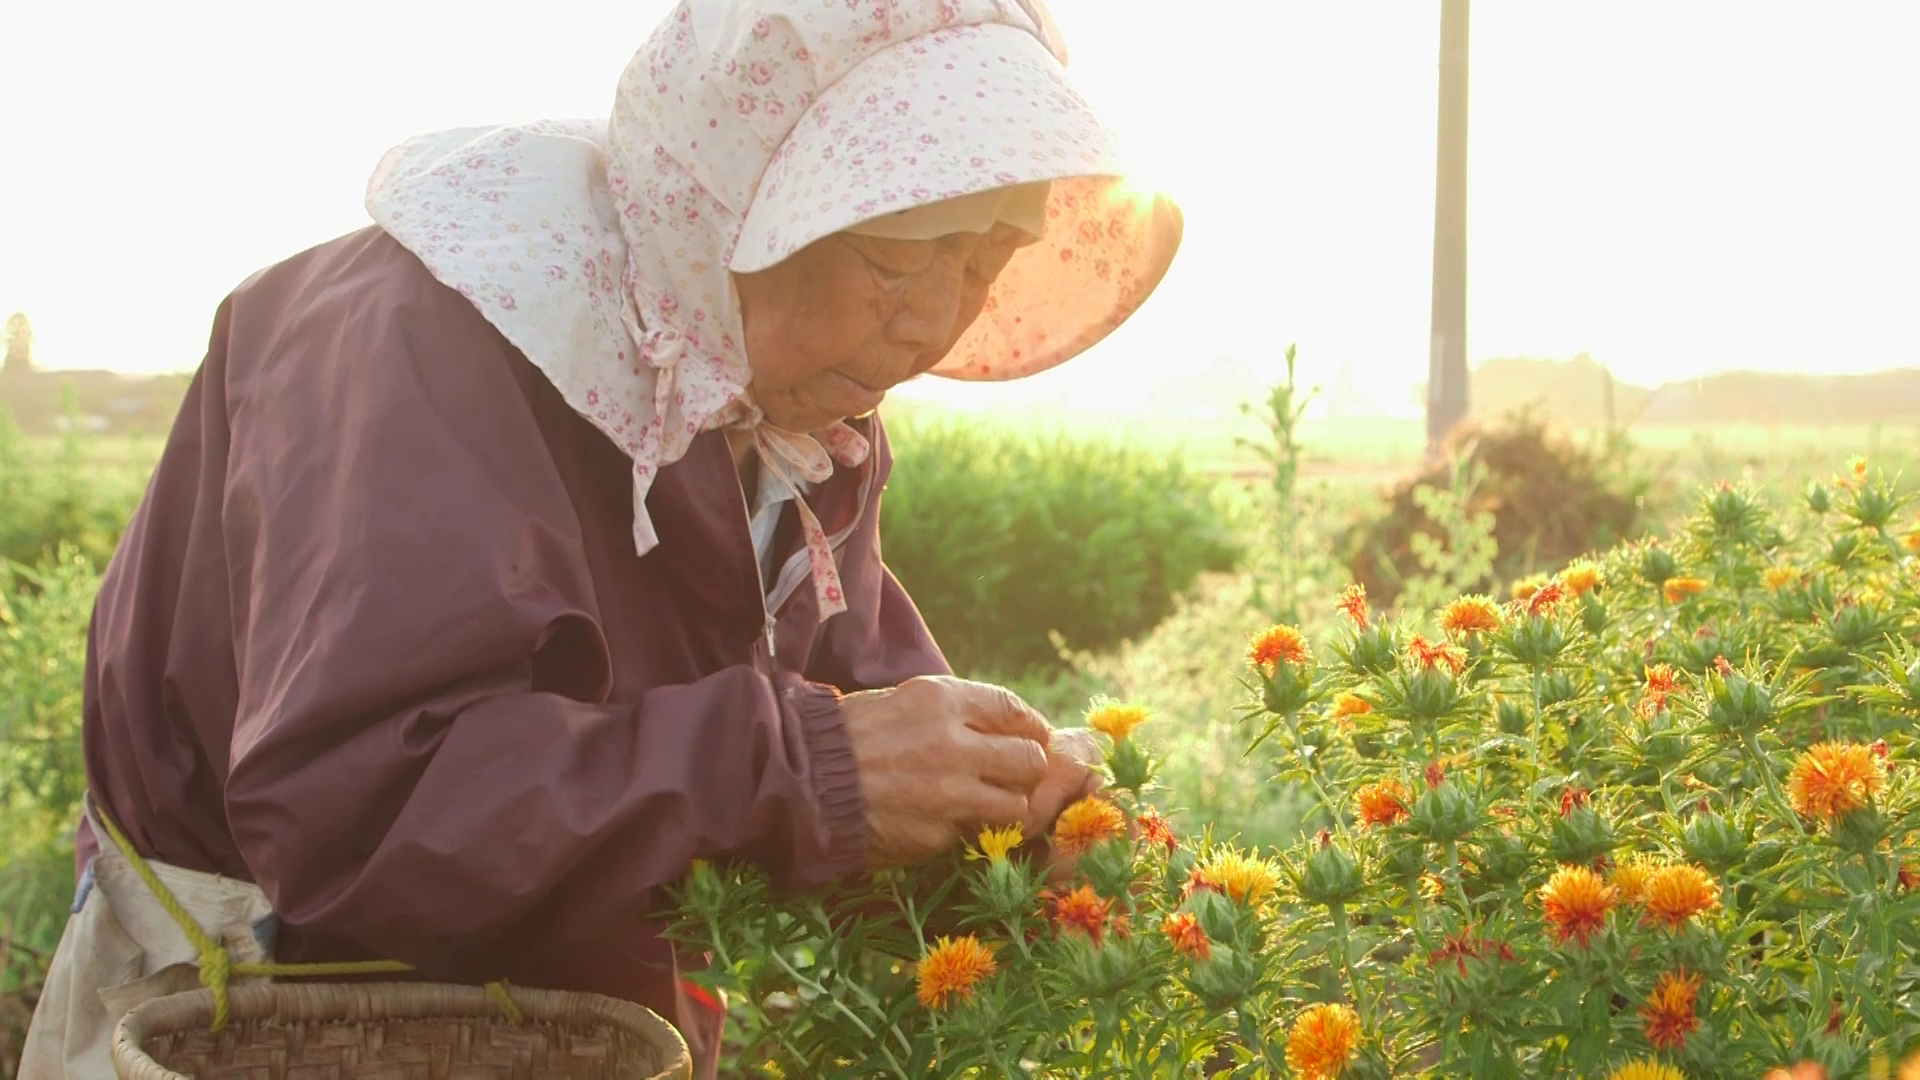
19	344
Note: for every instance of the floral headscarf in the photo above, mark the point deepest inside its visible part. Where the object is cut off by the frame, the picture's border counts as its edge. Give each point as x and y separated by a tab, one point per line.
743	131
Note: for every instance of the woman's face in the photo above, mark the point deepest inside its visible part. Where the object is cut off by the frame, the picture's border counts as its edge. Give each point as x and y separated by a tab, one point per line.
839	323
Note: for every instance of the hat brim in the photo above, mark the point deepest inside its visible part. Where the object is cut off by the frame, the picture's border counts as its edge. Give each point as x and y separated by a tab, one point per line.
962	111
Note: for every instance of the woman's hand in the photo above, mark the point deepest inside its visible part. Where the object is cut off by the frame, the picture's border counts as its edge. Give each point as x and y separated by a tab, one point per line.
1071	756
940	758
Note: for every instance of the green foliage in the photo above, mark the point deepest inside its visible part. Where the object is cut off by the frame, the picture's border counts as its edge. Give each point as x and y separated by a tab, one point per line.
1658	818
57	491
1005	541
1289	560
1551	498
43	622
1462	555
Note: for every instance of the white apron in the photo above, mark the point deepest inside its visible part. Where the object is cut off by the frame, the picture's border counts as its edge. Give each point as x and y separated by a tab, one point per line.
121	949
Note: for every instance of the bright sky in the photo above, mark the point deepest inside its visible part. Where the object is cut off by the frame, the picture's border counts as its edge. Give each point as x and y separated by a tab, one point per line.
1675	188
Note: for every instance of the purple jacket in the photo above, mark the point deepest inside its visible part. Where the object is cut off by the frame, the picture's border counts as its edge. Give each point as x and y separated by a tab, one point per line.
377	640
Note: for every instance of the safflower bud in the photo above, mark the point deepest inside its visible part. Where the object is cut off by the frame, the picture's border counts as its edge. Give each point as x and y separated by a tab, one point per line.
1370	652
1101	970
705	893
1108	867
1713	841
1736	703
1593	613
1432	694
1819	499
1331	877
1503	858
1536	640
1445	813
1280	657
1859	831
1287	690
1131	767
1224	981
1220	918
1558	688
1512	717
1731	510
1580	836
1657	566
1404	862
1663	741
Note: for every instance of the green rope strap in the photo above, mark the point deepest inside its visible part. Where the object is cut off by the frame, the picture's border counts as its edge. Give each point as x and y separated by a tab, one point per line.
217	965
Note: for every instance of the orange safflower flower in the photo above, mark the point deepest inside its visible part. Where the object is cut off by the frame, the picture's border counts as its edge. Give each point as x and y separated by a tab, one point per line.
1911	541
1669	1010
1274	644
1464	946
1323	1040
1116	722
1576	903
1155	829
1383	803
1582	577
1470	615
1546	597
1082	911
1431	655
1779	577
996	844
1241	877
1831	780
1183	929
1678	892
1907	877
1678	589
1662	683
1856	475
1347	704
951	969
1086	824
1662	680
1630	877
1523	590
1353	601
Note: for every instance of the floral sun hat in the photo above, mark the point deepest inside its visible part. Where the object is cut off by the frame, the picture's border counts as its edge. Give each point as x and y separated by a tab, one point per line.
743	131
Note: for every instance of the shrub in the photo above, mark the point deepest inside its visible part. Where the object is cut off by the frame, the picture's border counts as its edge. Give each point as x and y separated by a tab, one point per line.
43	623
1551	499
1654	819
58	492
1005	541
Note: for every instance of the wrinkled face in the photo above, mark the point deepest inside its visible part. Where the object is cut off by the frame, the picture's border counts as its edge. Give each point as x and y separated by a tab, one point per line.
839	323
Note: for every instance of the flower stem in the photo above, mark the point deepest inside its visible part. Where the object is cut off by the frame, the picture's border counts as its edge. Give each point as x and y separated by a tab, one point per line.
1539	727
1339	914
1313	771
1771	781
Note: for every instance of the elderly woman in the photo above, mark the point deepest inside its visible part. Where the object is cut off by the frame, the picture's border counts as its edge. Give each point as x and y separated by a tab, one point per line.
513	553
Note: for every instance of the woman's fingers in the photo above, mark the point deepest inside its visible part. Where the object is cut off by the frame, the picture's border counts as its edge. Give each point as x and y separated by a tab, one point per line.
996	710
1016	764
976	802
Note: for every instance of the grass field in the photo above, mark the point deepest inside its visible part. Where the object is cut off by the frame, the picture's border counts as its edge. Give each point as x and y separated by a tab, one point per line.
1377	449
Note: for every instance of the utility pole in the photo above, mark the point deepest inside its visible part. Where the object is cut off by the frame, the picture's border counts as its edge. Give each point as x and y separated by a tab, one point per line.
1447	361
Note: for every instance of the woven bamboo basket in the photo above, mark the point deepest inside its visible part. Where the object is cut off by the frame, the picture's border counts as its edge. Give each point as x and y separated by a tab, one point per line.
395	1031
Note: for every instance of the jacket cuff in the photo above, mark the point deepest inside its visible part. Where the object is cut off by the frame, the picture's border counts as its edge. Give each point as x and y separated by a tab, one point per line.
836	782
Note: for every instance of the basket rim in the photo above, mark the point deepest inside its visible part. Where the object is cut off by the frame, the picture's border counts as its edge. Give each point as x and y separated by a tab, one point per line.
372	1002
